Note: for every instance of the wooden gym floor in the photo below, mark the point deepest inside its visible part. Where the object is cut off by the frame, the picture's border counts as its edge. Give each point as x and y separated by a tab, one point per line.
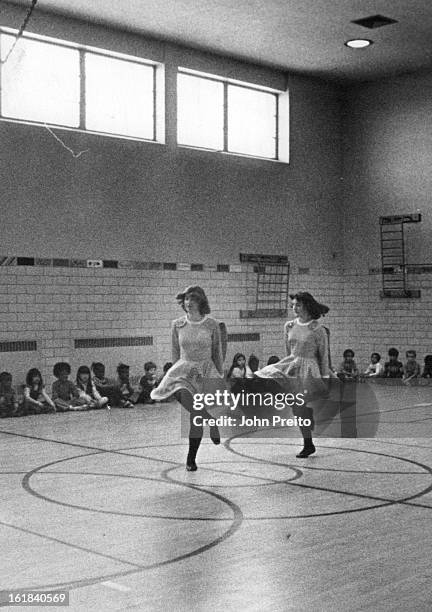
99	503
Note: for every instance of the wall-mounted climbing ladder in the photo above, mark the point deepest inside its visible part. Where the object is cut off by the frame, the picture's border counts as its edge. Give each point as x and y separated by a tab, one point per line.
267	281
394	269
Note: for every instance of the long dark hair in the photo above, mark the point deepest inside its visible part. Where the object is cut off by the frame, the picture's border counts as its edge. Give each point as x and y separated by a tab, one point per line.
314	308
30	375
199	294
235	364
84	370
253	363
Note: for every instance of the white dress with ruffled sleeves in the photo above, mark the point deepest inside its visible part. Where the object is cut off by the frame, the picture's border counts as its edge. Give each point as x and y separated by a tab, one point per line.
197	357
306	366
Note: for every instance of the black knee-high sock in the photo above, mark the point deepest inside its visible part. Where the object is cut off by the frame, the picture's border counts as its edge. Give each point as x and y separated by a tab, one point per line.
307	430
307	436
310	415
195	431
195	437
194	444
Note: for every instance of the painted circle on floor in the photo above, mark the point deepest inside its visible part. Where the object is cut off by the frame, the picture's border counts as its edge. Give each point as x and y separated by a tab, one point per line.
333	495
212	537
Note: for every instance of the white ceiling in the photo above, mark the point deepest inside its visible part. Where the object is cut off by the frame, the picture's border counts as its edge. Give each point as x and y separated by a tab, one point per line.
299	35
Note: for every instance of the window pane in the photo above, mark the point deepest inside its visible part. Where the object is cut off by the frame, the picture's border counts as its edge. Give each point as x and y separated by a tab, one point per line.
251	122
119	96
40	82
199	112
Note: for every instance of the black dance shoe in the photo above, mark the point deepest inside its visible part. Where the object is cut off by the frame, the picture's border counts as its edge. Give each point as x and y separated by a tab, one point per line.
215	435
307	450
191	466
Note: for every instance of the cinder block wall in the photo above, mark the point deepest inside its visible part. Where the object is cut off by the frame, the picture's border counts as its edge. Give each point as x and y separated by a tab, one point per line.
56	306
375	324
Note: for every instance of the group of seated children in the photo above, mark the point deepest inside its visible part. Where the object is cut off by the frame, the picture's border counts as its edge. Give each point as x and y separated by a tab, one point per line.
91	390
393	368
240	370
348	370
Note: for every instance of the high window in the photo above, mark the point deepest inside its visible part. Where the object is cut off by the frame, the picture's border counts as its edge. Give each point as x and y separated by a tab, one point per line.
229	116
40	82
56	83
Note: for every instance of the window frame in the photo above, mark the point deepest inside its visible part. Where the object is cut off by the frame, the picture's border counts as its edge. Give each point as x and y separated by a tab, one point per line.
158	107
226	82
129	60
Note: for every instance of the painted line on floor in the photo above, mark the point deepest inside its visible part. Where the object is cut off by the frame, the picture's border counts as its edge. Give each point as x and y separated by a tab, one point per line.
116	586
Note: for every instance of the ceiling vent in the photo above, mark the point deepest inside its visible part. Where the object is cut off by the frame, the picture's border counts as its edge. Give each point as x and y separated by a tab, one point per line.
375	21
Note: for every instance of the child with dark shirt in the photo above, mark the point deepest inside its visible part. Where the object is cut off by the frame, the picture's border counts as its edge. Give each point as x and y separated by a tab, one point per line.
252	366
411	369
427	369
348	368
8	398
147	383
125	390
393	368
105	386
64	393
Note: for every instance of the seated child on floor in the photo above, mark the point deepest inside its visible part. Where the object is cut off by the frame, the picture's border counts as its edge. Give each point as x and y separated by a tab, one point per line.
393	368
238	368
147	383
105	386
8	398
375	368
64	393
87	389
126	394
427	369
36	399
252	366
411	370
348	368
237	373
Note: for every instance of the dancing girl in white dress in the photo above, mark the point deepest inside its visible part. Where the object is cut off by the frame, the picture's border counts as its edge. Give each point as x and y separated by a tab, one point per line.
305	369
198	343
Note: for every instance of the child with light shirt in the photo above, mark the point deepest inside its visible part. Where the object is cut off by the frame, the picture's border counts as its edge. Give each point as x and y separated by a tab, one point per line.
36	399
87	389
375	368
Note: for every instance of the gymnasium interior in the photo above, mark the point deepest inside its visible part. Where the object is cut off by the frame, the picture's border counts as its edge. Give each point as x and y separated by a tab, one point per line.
255	149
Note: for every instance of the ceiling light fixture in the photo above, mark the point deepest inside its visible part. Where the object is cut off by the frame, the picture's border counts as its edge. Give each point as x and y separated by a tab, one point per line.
358	43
